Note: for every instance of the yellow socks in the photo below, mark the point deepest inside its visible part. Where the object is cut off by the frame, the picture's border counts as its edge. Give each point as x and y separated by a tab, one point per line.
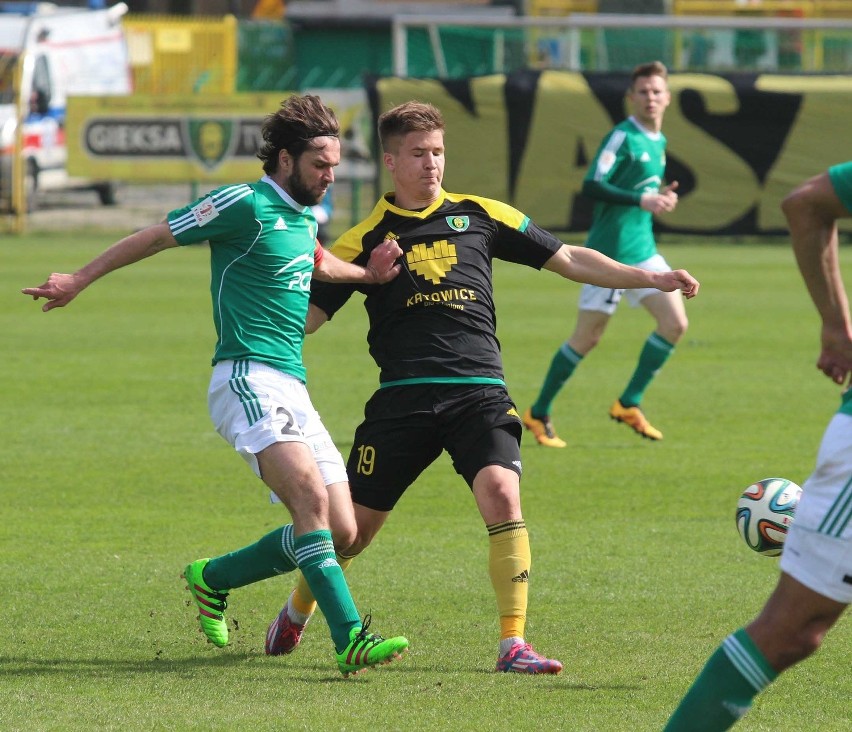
509	562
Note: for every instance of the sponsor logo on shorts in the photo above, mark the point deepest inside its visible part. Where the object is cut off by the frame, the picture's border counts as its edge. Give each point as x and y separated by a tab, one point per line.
320	445
847	578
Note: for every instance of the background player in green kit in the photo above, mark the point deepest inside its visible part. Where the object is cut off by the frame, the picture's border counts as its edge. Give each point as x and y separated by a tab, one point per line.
815	586
432	333
626	181
264	253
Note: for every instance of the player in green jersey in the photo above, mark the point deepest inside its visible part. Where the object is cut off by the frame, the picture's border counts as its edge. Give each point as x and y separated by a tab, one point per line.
815	586
626	181
432	332
264	254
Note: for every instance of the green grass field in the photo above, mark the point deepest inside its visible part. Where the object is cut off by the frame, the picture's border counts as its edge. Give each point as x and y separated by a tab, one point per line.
113	478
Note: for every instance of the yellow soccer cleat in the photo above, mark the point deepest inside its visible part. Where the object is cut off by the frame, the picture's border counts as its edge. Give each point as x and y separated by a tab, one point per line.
633	417
542	430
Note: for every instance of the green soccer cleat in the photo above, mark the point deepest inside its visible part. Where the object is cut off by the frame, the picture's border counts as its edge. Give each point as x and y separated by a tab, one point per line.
368	649
211	603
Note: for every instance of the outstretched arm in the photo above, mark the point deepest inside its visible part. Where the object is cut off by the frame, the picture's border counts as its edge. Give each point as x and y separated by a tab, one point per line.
812	210
590	266
380	268
60	289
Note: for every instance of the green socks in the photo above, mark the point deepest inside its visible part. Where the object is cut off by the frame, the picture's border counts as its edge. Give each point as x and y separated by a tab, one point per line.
280	552
565	360
725	688
655	353
318	563
272	555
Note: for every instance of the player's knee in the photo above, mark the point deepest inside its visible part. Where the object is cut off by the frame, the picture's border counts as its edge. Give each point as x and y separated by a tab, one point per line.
676	329
360	541
344	535
811	641
593	339
802	205
584	342
785	647
502	500
306	503
791	203
798	647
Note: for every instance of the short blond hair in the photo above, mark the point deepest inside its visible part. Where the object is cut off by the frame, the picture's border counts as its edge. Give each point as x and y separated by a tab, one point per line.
409	117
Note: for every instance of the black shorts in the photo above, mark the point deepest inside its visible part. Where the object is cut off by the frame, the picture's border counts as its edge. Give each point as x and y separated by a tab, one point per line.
407	427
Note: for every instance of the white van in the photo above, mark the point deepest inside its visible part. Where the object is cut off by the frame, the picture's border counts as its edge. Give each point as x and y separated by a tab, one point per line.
55	52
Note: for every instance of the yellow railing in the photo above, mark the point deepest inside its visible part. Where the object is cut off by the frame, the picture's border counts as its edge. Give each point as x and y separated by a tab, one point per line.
554	8
790	8
178	55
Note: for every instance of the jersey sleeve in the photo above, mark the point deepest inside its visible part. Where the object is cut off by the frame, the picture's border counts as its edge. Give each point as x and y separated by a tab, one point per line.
517	239
532	246
613	152
600	190
220	213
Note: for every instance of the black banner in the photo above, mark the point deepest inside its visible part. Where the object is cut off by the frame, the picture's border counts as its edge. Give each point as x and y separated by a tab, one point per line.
737	144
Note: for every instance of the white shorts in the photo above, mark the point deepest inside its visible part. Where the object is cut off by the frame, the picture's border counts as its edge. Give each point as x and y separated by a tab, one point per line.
253	406
605	299
818	549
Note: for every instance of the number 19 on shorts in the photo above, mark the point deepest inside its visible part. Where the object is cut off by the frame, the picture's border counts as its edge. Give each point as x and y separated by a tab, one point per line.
366	459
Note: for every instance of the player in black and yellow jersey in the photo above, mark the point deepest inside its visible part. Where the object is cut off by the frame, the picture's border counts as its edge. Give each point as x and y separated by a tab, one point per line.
432	334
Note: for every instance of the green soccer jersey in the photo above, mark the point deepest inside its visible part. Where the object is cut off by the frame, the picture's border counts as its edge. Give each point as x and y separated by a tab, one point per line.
262	250
846	402
631	159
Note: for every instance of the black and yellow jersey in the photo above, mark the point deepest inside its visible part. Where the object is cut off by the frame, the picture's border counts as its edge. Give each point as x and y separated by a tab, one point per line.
436	321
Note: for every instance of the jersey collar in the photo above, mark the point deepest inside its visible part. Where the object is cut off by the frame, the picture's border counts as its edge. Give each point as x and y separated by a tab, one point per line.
638	125
284	195
422	214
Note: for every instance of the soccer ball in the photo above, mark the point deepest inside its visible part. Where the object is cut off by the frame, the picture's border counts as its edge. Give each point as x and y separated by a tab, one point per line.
765	512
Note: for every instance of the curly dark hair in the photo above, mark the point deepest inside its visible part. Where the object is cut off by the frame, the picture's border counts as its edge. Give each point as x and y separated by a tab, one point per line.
408	117
293	128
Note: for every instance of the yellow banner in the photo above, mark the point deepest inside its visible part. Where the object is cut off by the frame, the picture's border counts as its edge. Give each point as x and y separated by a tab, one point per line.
182	138
737	144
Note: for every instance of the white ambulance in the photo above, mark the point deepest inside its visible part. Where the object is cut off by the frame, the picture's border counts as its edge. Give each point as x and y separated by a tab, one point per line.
48	53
